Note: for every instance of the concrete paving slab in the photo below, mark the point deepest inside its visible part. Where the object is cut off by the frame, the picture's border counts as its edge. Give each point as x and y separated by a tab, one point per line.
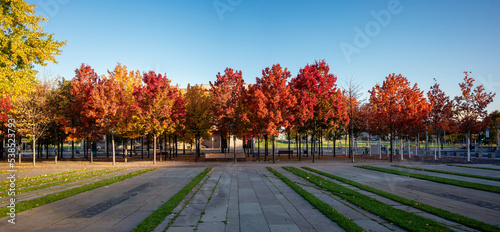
284	228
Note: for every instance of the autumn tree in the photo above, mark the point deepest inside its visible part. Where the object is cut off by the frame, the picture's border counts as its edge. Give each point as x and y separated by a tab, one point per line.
470	109
91	105
319	102
227	94
441	114
122	121
33	117
158	105
273	103
395	107
24	45
198	115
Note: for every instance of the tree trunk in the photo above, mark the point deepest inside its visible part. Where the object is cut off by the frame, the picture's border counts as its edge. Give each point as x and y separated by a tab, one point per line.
289	140
265	148
34	151
154	149
313	145
435	147
334	144
258	147
439	145
468	146
426	143
72	149
391	151
307	146
142	147
234	147
274	153
131	148
299	151
380	147
92	151
197	151
113	147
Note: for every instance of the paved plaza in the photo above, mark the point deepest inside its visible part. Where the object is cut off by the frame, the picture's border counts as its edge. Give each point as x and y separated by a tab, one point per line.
247	197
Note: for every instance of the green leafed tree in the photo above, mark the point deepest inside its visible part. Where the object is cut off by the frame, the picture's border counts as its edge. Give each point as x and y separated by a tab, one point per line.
199	114
23	44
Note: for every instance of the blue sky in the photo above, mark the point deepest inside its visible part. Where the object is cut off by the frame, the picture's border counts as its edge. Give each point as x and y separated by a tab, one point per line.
193	40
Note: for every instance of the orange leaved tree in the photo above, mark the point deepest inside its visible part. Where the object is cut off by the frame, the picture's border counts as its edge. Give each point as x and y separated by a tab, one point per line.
395	107
470	109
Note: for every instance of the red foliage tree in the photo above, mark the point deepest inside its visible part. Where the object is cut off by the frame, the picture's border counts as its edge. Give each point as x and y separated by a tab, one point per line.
87	116
228	92
395	107
470	109
273	103
440	117
319	102
158	105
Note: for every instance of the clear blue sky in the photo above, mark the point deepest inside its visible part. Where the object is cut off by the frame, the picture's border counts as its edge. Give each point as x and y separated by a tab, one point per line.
193	40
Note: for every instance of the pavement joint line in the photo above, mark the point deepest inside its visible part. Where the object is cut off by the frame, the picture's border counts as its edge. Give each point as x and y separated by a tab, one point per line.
273	182
209	198
194	194
300	181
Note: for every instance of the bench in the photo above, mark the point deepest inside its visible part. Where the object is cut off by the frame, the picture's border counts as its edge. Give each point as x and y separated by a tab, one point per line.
224	156
285	152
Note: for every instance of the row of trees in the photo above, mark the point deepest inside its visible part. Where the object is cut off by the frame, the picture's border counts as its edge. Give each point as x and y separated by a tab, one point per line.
130	105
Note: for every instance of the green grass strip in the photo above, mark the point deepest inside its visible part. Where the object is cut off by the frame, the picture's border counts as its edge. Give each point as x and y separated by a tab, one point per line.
461	183
30	204
463	166
57	178
30	178
70	179
7	171
450	173
472	223
159	215
344	222
403	219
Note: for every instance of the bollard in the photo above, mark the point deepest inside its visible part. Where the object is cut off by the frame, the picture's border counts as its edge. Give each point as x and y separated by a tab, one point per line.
125	159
